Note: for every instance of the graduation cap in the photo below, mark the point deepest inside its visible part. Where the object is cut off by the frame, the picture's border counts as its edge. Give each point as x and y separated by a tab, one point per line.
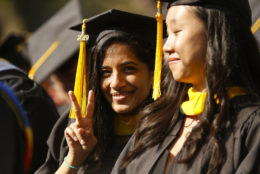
255	8
54	43
97	27
143	27
240	8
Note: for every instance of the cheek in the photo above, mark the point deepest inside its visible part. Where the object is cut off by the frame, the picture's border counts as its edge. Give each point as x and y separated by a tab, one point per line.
104	85
137	80
198	46
133	80
193	52
144	83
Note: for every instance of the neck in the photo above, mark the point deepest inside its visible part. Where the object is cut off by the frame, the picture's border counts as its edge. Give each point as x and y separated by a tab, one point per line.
125	124
200	88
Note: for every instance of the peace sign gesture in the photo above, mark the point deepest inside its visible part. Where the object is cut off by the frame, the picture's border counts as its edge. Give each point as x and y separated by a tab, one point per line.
80	135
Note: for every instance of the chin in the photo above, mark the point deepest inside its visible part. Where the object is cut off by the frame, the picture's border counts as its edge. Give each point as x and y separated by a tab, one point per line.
122	110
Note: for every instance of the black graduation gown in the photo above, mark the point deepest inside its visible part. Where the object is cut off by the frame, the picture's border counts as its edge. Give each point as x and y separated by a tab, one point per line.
242	147
39	108
12	146
58	149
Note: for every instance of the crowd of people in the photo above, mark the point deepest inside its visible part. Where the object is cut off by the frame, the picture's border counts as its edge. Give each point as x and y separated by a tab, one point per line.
205	120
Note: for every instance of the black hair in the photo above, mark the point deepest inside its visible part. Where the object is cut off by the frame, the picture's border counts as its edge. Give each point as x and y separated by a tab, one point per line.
232	59
103	113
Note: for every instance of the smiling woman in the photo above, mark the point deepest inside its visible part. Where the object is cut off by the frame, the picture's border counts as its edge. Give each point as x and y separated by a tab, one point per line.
185	48
120	84
126	80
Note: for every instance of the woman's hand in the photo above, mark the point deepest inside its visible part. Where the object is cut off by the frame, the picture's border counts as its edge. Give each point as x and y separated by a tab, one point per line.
79	135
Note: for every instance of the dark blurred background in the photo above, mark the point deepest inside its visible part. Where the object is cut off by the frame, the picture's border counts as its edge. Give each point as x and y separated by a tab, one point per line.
22	16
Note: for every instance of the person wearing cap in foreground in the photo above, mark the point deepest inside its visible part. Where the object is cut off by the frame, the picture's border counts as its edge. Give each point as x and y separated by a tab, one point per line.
210	122
16	134
120	76
37	104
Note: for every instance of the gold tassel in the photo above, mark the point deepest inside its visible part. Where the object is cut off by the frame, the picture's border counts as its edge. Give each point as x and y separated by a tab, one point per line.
256	26
158	58
80	86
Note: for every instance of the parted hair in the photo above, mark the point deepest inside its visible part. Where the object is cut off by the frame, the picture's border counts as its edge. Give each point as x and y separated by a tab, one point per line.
103	112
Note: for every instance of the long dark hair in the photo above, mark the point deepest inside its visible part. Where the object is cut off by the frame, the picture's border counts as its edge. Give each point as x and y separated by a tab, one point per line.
103	113
232	59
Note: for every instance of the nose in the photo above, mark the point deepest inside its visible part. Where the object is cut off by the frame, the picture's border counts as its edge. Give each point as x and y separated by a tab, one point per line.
168	45
117	81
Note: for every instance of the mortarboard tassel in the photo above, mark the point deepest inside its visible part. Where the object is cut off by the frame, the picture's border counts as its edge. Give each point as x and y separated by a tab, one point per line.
256	26
158	58
80	87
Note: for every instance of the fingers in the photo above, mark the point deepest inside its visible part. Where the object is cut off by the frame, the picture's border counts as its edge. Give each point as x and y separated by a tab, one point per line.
70	134
87	121
74	135
83	138
80	136
75	105
90	105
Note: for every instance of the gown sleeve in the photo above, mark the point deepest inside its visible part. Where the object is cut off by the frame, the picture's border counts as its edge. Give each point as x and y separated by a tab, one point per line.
248	158
57	147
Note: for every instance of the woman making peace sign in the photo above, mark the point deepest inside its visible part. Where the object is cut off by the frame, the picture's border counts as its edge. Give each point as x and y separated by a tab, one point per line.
120	80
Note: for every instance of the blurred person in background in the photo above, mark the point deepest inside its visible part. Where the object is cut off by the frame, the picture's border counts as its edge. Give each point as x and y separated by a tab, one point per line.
53	51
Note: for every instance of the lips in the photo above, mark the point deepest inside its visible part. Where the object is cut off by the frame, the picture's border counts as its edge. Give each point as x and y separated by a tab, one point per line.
173	60
120	96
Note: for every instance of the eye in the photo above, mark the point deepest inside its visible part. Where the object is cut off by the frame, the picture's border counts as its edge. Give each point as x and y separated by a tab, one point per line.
130	69
176	32
105	73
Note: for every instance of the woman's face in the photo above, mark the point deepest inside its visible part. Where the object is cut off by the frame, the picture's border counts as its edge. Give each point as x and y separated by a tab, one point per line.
126	81
185	48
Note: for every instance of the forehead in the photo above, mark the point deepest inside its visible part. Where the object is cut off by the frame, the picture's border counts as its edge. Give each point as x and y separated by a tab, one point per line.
119	52
184	17
180	13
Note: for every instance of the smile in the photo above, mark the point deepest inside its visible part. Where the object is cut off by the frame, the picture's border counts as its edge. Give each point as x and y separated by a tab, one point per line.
120	96
173	60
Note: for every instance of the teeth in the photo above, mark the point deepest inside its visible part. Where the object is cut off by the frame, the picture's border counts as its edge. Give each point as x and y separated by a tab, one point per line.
119	96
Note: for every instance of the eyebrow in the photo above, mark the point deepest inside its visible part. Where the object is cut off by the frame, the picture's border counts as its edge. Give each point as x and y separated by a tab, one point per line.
129	63
173	20
124	64
103	67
